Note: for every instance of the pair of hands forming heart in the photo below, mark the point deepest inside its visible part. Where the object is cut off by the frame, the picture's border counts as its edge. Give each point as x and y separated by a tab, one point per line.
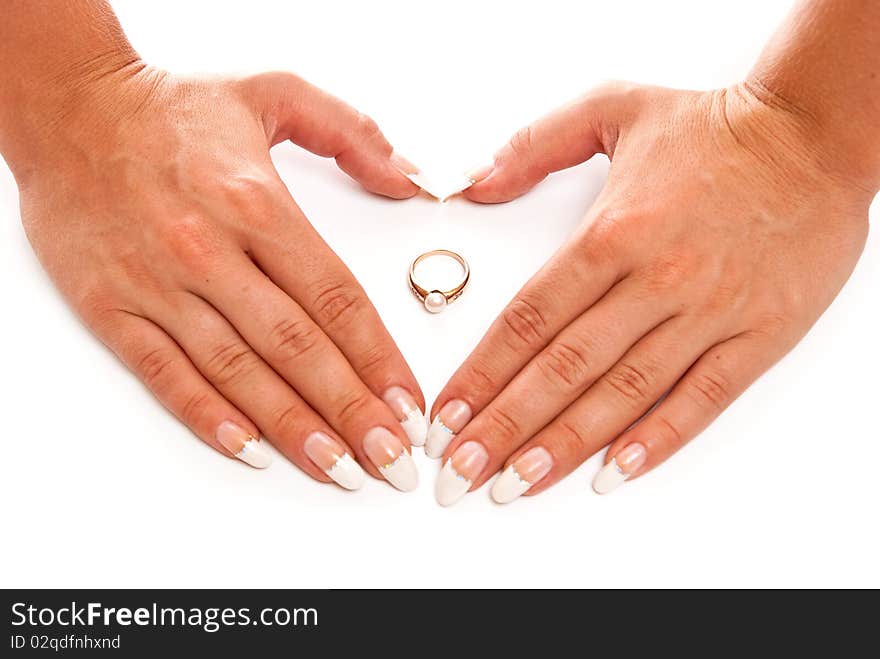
721	235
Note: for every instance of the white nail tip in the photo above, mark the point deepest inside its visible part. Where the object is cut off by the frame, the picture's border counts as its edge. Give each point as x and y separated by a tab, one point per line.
509	486
609	478
439	437
347	473
451	486
415	425
441	189
254	454
401	473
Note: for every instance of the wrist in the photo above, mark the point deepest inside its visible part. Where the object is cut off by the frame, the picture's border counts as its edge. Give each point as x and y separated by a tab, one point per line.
804	131
76	104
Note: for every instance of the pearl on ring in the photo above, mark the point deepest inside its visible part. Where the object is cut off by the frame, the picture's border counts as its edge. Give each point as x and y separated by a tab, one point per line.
435	302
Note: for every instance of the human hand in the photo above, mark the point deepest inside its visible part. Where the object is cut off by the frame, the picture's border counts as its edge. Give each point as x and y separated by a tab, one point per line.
152	202
728	224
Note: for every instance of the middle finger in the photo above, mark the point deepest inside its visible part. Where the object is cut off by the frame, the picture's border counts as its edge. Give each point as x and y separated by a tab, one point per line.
556	376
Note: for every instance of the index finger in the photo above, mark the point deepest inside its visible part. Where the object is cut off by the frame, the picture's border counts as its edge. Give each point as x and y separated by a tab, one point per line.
571	282
298	261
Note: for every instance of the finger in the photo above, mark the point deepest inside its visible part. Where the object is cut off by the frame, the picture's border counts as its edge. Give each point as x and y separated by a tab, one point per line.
315	120
566	137
617	399
164	368
244	378
572	281
706	390
557	376
278	329
334	299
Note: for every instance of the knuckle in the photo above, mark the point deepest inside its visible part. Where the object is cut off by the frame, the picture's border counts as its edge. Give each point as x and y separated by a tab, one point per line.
772	325
709	389
503	423
606	237
155	368
521	143
673	272
479	377
572	439
286	420
253	196
672	435
96	305
286	79
195	409
230	362
291	339
727	298
352	406
622	90
611	87
632	382
191	240
366	128
373	358
338	303
525	322
564	365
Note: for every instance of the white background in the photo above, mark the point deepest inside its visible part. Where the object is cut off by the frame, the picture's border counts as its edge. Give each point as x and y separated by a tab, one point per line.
99	486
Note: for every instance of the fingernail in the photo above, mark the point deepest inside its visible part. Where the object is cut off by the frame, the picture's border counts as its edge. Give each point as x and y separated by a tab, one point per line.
243	445
442	189
459	472
525	471
408	413
391	459
477	174
450	420
403	165
329	456
623	465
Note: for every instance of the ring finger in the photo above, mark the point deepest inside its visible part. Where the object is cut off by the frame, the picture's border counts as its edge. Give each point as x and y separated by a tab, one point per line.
552	380
616	401
290	342
223	357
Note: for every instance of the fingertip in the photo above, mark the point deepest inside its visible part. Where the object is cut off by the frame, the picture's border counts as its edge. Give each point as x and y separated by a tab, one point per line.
503	183
401	186
388	182
491	190
404	189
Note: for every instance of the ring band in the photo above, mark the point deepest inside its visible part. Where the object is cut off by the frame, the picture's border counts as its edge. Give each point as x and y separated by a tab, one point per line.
435	301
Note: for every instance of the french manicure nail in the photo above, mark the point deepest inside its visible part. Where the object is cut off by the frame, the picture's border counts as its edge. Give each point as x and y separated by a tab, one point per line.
623	465
243	445
460	472
525	471
450	420
477	174
408	413
441	189
329	456
391	459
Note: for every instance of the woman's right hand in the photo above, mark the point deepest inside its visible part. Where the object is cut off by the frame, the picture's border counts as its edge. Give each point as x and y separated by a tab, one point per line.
154	205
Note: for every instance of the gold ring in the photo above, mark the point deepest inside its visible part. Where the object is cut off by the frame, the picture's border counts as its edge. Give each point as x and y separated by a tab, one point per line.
435	301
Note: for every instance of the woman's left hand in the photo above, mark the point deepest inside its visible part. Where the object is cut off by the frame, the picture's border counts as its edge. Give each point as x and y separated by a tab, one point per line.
728	224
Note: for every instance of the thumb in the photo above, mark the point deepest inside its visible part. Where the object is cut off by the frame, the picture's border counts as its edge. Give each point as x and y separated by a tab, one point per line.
293	109
564	138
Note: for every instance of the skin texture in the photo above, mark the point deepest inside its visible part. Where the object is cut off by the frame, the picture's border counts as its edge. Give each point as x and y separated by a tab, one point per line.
729	222
152	202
